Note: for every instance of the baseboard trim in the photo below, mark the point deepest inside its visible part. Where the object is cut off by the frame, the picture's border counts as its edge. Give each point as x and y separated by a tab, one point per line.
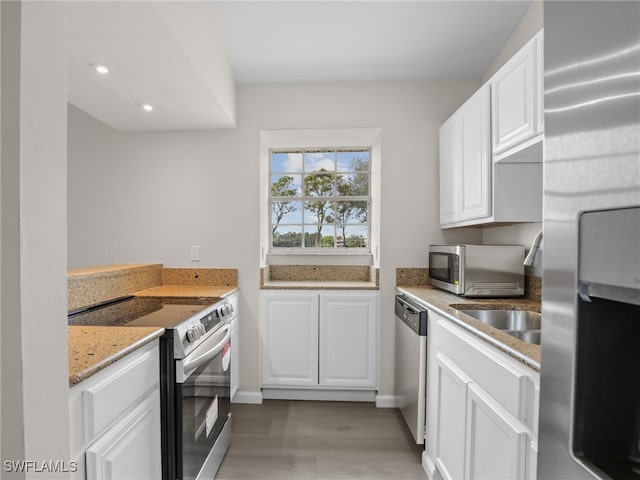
318	395
386	401
248	396
428	466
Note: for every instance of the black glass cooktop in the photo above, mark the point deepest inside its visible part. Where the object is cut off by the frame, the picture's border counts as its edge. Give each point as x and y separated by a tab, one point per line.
141	312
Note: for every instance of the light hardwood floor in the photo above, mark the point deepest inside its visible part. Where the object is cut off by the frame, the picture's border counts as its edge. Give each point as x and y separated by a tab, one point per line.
319	440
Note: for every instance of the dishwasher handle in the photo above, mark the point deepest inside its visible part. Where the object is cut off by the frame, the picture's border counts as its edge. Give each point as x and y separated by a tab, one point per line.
414	316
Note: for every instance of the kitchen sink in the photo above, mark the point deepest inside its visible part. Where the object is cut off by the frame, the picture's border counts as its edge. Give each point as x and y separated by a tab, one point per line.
521	324
508	320
529	336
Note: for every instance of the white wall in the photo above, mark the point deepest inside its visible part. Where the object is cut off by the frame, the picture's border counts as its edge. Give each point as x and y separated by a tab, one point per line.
146	197
35	388
531	23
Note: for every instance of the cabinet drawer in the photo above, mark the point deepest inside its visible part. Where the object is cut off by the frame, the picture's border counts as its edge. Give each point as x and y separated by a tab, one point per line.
504	383
119	389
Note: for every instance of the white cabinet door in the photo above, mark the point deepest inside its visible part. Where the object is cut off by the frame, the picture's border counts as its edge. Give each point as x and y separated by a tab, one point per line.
532	461
496	441
450	405
476	157
539	50
348	339
465	162
450	169
514	97
289	330
131	448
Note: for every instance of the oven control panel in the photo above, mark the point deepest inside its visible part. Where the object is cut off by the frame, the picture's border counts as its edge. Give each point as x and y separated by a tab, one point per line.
195	330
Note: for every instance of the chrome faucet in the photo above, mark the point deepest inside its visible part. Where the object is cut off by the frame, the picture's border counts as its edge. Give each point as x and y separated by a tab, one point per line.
531	257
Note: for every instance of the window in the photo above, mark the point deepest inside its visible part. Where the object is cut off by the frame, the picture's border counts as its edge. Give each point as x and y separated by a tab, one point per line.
320	199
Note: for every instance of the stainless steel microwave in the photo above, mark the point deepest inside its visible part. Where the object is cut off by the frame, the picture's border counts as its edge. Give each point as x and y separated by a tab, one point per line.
478	270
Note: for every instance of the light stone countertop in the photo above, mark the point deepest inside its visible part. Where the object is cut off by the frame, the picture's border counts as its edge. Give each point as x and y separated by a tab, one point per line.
318	285
187	291
91	349
445	303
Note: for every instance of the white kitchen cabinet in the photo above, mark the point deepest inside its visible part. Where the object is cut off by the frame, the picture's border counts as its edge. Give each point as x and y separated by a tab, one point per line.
115	419
449	403
481	408
320	340
495	440
129	450
465	162
235	346
289	331
347	345
450	166
491	148
517	116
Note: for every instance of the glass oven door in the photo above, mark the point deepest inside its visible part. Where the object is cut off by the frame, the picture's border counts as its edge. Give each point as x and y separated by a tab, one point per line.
202	399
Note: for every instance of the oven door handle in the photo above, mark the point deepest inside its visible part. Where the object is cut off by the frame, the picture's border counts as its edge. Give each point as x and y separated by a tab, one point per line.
189	364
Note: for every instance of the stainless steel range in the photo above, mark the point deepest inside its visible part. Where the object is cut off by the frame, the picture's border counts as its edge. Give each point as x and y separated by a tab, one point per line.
194	378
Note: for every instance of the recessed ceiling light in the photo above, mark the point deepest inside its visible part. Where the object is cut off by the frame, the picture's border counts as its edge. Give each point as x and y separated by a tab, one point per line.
101	69
147	107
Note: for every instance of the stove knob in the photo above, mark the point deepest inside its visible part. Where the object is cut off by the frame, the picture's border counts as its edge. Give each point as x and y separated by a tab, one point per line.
193	334
201	329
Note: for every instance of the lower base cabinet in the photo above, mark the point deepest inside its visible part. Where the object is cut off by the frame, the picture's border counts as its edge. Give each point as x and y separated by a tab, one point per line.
319	340
129	448
481	409
115	420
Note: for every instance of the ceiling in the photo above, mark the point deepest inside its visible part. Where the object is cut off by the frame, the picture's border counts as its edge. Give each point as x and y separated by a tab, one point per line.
305	41
184	57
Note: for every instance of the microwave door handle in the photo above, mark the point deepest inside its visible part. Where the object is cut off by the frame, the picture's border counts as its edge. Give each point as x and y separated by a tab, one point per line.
189	365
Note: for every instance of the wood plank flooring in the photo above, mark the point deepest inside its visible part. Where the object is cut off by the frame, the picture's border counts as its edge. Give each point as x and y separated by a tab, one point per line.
301	440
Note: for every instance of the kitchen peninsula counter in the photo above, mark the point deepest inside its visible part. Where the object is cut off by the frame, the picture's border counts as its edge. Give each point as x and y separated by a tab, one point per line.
446	304
92	348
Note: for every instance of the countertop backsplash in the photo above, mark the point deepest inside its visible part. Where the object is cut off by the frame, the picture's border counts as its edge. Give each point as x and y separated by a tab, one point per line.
419	277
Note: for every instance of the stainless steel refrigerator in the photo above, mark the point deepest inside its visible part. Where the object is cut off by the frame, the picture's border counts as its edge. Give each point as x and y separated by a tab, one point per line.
590	365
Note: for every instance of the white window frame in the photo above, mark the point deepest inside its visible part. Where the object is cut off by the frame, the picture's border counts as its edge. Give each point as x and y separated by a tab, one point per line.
365	138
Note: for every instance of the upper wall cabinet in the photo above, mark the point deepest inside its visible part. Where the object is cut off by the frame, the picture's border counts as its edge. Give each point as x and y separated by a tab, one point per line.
465	162
491	148
517	116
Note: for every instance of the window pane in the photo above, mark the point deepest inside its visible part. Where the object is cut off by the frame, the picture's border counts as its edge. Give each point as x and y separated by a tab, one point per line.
286	162
319	236
352	184
320	211
318	185
350	212
287	236
353	161
286	185
285	213
359	212
356	236
320	162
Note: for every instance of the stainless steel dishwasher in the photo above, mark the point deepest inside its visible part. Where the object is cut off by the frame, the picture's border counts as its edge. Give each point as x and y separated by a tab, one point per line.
411	364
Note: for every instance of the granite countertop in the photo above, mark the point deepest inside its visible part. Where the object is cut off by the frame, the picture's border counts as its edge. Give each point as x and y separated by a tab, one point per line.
445	303
188	291
91	349
318	285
